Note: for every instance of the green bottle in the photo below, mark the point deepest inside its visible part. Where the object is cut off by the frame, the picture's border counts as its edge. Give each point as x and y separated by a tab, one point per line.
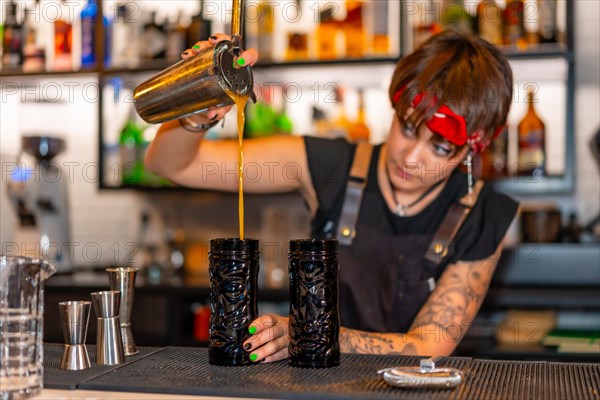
283	123
131	143
455	16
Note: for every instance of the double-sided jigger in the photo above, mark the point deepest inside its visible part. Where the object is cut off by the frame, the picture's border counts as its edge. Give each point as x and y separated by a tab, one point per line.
75	316
123	280
109	346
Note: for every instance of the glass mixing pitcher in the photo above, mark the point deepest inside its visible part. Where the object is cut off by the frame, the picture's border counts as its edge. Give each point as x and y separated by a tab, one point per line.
21	325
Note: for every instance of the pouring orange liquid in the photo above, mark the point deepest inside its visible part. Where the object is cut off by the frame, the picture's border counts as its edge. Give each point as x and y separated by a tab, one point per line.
240	102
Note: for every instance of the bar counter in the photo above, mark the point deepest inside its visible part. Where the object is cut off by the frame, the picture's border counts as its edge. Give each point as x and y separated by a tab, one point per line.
175	371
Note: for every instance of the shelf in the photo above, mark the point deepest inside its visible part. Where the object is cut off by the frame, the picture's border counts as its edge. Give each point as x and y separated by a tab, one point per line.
523	185
540	51
320	63
543	51
7	73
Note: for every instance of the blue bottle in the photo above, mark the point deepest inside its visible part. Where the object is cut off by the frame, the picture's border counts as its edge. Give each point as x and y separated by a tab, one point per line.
89	15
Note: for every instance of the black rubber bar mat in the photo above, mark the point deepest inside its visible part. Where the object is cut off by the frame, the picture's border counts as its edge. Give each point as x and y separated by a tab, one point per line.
56	378
179	370
510	380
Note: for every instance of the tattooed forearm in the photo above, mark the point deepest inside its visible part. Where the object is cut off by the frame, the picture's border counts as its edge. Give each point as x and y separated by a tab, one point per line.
459	294
352	341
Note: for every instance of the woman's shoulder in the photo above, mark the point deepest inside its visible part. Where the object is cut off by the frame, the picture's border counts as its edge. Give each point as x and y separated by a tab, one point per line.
486	225
329	160
496	205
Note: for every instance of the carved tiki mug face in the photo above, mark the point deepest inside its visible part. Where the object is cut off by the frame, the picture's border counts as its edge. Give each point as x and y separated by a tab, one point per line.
233	275
314	321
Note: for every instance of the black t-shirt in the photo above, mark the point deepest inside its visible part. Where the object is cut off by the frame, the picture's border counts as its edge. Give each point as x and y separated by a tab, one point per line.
384	277
329	163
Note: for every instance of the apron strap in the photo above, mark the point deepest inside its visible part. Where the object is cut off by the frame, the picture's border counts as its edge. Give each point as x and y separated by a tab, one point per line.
357	181
455	217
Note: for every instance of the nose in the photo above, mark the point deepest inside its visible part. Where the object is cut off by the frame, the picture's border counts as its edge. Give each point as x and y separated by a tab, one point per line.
413	153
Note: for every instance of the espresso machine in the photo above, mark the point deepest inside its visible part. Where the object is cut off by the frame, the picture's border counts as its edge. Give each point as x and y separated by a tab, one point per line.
39	195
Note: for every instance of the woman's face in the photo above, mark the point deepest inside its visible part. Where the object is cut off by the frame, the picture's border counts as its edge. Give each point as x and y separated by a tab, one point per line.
417	160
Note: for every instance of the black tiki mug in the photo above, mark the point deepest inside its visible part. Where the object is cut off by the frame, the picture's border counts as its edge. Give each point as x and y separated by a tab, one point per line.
314	318
233	267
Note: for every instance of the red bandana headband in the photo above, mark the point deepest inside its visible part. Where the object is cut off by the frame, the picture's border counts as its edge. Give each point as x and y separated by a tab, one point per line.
444	122
448	124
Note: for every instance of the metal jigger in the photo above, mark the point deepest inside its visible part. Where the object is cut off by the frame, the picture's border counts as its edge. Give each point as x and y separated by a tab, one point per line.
123	280
75	316
109	345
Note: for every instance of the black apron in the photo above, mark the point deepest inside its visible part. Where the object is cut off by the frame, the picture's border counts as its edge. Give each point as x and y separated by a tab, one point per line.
385	279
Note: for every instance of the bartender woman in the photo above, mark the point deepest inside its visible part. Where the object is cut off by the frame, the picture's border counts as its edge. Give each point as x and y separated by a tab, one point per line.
419	247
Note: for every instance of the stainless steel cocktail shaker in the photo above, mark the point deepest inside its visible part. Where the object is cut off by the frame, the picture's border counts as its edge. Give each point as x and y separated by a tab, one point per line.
208	79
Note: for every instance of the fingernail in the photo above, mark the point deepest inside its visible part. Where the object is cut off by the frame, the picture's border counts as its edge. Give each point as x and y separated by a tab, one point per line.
252	330
185	53
213	37
214	117
253	357
241	62
196	47
247	346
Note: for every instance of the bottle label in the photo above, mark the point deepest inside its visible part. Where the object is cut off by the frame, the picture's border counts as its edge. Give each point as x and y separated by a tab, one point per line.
534	139
531	150
535	156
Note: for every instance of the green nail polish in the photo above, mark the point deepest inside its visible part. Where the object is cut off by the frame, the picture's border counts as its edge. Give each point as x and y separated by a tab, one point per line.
253	357
252	330
241	62
196	47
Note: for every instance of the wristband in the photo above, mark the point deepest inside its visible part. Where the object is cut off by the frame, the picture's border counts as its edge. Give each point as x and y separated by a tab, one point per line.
191	126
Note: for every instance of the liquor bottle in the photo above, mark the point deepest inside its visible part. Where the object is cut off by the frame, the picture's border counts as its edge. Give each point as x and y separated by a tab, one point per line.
63	42
261	116
426	23
532	137
359	131
154	39
199	29
34	55
455	16
125	44
354	30
1	42
89	47
319	122
327	34
341	124
176	38
514	24
298	37
547	21
131	143
494	158
380	41
12	39
283	123
489	21
266	29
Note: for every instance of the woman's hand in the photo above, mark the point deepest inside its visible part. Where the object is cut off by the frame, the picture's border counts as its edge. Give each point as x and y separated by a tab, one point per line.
270	340
248	57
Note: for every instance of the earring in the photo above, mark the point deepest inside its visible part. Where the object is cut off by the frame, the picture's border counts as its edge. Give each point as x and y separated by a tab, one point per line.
469	163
